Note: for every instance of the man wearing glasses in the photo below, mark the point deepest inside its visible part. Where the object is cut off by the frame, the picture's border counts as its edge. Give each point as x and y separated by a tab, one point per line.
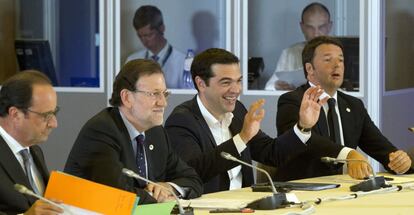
27	116
129	135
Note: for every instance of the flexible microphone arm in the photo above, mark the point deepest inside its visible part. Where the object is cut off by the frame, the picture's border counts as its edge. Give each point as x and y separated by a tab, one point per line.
24	190
335	160
373	183
277	200
228	156
132	174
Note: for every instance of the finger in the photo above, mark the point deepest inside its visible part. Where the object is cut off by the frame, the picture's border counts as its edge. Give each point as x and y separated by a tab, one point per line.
150	188
156	193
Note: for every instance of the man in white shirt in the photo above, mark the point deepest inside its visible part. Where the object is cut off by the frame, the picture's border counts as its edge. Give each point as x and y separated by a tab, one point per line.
315	22
27	116
214	121
150	28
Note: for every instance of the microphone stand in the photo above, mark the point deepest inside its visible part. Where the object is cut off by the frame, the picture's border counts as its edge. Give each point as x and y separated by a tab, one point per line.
372	183
277	200
187	211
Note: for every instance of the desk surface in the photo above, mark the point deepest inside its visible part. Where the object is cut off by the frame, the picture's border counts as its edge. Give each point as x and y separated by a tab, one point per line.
386	203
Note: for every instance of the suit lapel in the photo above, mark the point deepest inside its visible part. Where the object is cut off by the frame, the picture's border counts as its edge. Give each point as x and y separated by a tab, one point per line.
346	118
130	161
39	162
12	167
202	122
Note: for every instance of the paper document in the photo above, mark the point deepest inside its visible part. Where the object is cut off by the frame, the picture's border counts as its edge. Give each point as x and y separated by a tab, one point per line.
158	209
89	195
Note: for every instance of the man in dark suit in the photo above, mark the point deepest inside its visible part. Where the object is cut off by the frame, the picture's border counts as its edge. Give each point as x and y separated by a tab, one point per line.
129	135
27	116
323	62
215	121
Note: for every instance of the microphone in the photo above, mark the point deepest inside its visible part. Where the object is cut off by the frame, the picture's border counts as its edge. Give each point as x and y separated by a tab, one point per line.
132	174
24	190
372	183
277	200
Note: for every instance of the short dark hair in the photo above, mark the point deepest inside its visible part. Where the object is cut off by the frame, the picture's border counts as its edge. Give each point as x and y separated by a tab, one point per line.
308	52
314	6
202	63
148	14
17	90
129	76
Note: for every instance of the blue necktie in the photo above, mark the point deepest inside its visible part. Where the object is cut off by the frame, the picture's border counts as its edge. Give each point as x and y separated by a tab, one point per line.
28	164
140	156
333	122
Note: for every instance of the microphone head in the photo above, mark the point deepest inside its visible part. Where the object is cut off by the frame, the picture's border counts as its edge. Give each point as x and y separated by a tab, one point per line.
127	172
327	159
21	188
226	155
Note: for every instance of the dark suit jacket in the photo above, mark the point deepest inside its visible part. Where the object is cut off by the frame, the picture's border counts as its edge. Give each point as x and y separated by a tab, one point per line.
103	148
11	201
194	142
358	130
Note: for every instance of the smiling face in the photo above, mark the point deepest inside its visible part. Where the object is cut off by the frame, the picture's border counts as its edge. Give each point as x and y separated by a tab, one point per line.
327	67
220	94
144	108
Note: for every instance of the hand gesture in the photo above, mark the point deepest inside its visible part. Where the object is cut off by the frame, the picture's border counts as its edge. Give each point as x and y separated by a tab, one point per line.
251	124
310	107
358	169
160	194
400	162
42	207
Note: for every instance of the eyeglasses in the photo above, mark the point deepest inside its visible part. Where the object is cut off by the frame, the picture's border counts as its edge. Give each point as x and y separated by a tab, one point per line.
46	115
156	94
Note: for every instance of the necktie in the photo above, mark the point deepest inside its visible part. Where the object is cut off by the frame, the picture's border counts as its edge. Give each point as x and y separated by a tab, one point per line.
155	58
28	163
140	156
333	122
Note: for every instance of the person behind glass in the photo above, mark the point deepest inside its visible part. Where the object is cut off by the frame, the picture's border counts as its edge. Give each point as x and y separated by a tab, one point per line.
27	116
129	135
149	25
344	122
214	121
315	21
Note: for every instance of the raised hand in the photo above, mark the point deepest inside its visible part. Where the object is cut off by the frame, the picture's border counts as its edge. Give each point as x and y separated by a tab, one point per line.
311	106
252	120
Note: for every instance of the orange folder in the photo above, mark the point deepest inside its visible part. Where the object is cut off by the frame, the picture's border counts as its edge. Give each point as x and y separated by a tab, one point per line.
90	195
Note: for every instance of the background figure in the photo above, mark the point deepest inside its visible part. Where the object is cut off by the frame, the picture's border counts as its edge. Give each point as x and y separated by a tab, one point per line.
315	21
28	108
149	25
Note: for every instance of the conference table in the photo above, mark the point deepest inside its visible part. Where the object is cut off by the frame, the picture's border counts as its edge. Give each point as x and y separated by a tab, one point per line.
396	202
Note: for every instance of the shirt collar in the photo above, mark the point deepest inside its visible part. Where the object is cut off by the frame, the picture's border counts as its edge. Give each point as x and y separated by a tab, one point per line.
162	53
324	94
15	146
210	119
132	131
